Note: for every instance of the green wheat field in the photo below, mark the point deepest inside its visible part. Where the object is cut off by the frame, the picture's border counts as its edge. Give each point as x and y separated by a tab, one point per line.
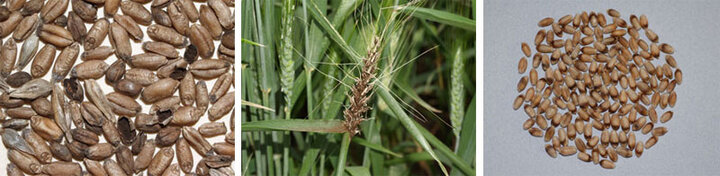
358	87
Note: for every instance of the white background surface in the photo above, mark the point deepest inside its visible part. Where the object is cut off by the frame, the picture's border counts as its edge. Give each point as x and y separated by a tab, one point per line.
137	49
691	145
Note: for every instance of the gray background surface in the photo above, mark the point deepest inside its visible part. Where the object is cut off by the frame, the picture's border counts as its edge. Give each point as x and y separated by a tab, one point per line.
692	145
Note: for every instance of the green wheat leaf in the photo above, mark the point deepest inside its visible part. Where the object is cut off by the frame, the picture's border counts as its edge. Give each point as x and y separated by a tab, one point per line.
319	126
440	17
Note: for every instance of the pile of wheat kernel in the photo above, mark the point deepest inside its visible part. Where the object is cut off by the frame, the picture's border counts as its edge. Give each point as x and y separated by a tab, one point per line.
602	77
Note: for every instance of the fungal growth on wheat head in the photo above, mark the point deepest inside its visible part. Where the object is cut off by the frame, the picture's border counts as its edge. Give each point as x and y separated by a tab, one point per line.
360	93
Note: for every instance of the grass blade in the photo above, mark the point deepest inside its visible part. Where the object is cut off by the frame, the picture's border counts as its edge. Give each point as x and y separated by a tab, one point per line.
246	164
322	165
466	146
255	105
309	161
408	122
376	158
332	32
411	158
339	98
372	158
440	17
320	41
416	157
443	149
319	126
265	165
358	171
434	141
373	146
313	33
251	42
329	84
410	92
298	86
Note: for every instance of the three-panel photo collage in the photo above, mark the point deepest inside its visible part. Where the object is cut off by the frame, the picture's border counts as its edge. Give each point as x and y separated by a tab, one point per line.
359	87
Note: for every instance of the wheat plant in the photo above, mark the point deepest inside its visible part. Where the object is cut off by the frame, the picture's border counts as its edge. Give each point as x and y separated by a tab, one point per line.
358	87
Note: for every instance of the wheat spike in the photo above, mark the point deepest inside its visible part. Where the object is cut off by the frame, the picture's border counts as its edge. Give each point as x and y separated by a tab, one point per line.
360	92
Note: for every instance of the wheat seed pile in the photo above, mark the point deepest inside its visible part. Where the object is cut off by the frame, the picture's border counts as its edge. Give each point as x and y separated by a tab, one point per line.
606	90
117	87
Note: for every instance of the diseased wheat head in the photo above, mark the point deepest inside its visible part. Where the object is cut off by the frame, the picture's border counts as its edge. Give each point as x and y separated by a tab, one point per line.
360	92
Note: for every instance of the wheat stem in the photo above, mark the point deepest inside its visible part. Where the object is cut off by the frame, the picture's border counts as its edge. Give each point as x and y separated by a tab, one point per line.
307	65
342	157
